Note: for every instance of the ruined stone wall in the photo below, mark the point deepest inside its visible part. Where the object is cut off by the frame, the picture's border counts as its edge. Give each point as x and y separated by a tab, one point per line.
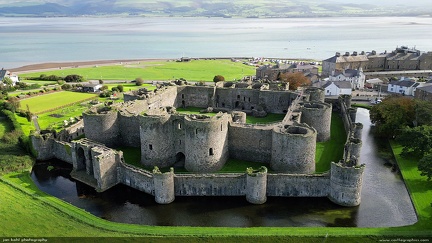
293	149
277	101
105	166
43	145
129	130
209	185
289	185
62	151
102	128
318	116
206	142
196	96
141	180
250	143
163	97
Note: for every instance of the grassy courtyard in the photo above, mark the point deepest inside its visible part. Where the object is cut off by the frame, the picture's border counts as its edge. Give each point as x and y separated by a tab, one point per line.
196	70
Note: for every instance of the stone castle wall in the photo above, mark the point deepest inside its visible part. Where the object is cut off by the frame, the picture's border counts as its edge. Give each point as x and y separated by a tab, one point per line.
250	143
205	144
102	128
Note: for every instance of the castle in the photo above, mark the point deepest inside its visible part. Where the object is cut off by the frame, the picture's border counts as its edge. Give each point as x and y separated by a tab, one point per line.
202	144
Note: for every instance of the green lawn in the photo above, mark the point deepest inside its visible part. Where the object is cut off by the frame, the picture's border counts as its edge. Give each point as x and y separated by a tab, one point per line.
131	86
332	150
419	187
196	70
52	101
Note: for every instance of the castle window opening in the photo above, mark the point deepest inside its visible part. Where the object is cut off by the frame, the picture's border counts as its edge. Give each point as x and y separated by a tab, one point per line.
151	146
211	151
252	107
244	98
238	97
196	131
180	142
249	99
221	127
179	126
182	96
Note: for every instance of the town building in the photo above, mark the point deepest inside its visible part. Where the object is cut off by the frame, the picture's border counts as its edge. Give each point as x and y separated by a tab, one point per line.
6	74
400	59
424	93
336	88
355	77
404	86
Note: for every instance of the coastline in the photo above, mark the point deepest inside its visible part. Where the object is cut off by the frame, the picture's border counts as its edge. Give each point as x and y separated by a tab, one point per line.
61	65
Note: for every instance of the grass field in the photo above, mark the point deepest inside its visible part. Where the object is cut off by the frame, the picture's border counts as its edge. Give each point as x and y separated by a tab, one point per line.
332	150
196	70
47	102
27	212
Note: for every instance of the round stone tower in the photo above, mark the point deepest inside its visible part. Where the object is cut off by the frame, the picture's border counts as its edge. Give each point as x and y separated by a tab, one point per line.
318	116
346	184
206	142
256	186
316	94
293	149
164	187
157	147
102	126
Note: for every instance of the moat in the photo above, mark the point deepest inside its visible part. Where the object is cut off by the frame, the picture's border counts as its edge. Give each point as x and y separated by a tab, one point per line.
385	201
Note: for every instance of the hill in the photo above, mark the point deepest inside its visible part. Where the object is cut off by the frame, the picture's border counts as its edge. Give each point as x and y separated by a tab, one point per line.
213	8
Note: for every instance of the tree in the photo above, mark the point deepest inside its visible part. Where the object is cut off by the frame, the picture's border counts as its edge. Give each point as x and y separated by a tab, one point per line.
139	81
425	166
423	141
391	115
218	78
104	87
13	104
120	88
423	113
295	80
101	81
7	81
74	78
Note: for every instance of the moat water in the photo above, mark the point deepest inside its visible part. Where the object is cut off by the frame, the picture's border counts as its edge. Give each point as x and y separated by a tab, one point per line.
385	200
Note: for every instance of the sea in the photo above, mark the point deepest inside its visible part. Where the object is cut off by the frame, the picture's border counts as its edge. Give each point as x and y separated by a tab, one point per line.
25	41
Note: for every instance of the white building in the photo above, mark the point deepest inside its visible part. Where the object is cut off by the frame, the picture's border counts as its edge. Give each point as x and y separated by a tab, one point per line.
6	74
337	88
355	77
403	86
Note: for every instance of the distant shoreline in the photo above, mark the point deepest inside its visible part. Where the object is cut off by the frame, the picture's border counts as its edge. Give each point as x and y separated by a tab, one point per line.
79	64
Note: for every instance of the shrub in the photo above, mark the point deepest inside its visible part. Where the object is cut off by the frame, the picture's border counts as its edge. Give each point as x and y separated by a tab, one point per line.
120	88
139	81
66	86
74	78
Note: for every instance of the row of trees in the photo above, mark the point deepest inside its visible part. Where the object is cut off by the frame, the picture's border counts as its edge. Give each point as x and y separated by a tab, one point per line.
72	78
409	121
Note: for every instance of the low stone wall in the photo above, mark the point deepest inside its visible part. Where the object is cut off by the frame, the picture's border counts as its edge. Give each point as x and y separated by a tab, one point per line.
209	184
290	185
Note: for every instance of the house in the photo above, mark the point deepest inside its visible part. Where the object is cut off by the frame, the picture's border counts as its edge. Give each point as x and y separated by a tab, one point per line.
404	86
424	93
355	77
6	74
335	88
91	87
373	83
